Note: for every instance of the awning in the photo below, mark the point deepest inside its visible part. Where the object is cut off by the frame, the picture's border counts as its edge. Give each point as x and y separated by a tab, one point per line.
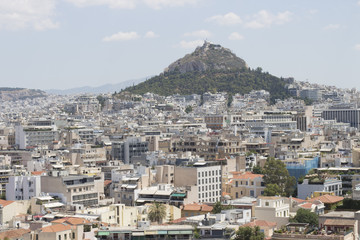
103	234
178	195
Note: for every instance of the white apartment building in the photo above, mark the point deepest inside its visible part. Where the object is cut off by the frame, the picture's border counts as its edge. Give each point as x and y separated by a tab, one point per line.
35	135
23	187
273	209
204	180
307	188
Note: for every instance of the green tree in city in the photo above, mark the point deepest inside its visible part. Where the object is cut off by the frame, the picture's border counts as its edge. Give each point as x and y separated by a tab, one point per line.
249	233
217	207
257	169
188	109
157	212
275	173
305	216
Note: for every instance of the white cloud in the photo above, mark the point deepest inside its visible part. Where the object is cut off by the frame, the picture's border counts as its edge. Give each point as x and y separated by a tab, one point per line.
191	44
227	19
126	4
332	27
236	36
357	47
158	4
151	34
264	19
19	14
198	34
121	36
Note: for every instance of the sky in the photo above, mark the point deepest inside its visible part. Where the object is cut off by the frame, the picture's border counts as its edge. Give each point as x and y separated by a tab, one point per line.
61	44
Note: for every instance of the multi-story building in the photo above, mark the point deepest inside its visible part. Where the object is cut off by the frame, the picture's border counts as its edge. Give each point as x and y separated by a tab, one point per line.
23	187
349	115
4	179
74	189
273	209
204	180
308	187
132	147
246	184
35	135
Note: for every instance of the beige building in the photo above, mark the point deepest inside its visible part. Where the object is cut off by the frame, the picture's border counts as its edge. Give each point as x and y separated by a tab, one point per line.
165	174
273	209
9	209
245	184
74	189
61	231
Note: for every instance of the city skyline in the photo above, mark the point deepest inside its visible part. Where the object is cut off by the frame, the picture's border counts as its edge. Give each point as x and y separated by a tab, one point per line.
74	43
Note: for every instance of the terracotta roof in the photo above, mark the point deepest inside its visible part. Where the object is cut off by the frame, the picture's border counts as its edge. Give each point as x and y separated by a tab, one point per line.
4	203
14	233
260	223
56	228
38	173
339	222
179	220
306	205
298	200
197	207
71	220
328	199
248	175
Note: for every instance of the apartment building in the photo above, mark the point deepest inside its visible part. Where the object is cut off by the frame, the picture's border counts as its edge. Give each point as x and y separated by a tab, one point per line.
26	136
246	184
23	187
204	179
74	189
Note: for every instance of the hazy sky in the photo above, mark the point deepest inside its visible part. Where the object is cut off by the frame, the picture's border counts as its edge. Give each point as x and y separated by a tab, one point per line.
72	43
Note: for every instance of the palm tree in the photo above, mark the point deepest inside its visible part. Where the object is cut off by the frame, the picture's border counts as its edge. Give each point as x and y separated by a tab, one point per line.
157	212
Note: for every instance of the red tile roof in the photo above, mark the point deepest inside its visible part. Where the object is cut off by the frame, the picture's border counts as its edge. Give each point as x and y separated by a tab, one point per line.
306	205
56	228
38	173
14	234
248	175
328	199
4	203
71	221
197	207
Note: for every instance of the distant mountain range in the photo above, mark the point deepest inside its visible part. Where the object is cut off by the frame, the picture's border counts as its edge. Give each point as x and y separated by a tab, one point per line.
13	94
107	88
212	68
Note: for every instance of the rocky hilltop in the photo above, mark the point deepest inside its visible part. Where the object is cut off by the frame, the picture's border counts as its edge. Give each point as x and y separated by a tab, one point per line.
13	94
212	68
208	56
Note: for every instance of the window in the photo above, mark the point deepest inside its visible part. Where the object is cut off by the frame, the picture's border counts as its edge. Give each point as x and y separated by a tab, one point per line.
236	184
267	204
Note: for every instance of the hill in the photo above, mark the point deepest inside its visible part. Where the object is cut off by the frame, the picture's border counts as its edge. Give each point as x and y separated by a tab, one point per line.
212	68
13	94
100	89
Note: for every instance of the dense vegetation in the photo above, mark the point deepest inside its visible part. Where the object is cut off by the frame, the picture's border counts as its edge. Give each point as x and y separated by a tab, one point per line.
277	179
249	233
305	216
232	81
